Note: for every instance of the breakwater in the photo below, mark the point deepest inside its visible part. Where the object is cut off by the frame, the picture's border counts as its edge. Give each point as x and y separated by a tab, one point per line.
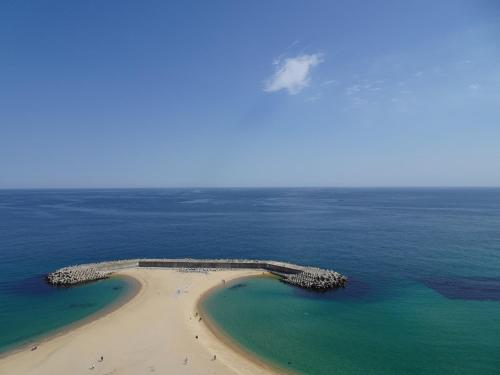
76	275
301	276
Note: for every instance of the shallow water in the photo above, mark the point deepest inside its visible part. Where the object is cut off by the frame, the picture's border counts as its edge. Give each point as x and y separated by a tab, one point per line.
416	259
411	329
31	308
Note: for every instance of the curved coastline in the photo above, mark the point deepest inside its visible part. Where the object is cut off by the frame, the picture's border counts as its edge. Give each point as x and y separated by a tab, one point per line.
134	289
154	329
231	343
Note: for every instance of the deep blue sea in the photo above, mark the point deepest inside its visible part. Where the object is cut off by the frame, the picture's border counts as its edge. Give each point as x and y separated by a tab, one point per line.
423	267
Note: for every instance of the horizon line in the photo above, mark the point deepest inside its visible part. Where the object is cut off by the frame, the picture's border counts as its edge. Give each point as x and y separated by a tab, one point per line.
260	187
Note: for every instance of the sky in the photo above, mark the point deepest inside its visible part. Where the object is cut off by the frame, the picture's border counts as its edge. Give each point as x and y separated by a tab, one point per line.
249	93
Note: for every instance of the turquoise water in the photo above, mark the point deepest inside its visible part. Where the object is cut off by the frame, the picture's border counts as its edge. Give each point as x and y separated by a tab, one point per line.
423	267
411	330
43	309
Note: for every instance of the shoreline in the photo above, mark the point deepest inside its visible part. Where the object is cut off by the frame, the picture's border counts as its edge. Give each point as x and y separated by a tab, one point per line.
152	328
38	340
231	343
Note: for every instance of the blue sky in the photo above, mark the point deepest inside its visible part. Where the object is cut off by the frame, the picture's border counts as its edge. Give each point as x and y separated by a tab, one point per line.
255	93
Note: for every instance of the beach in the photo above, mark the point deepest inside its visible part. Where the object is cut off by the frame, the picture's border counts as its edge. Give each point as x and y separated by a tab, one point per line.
154	332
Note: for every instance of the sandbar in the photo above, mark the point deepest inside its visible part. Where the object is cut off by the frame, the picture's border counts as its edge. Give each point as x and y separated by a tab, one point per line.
153	332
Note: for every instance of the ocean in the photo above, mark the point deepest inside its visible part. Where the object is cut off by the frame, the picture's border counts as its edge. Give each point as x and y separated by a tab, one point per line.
423	267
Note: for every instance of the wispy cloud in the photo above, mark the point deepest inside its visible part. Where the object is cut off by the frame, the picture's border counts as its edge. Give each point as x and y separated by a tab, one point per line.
330	82
351	90
364	87
464	62
474	86
313	98
293	74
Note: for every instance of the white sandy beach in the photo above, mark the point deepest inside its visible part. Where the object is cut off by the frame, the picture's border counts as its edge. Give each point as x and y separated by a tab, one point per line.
152	333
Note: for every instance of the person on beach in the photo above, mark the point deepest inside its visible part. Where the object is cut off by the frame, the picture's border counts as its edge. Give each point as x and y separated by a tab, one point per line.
215	357
101	359
186	361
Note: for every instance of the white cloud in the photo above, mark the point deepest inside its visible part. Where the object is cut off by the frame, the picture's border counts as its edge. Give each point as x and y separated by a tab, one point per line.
474	86
293	74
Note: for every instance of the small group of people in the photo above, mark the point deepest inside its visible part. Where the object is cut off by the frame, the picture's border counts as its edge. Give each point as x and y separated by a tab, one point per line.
196	315
186	359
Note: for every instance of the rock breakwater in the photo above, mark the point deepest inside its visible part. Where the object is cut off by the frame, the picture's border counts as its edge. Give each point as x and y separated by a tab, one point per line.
316	278
300	276
76	275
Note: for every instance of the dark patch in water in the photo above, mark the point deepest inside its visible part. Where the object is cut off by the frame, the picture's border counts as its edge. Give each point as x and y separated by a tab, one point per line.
35	285
82	305
466	288
237	286
117	287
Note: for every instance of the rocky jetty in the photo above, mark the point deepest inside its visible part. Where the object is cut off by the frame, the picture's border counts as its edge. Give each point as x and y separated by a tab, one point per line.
76	275
316	278
300	276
